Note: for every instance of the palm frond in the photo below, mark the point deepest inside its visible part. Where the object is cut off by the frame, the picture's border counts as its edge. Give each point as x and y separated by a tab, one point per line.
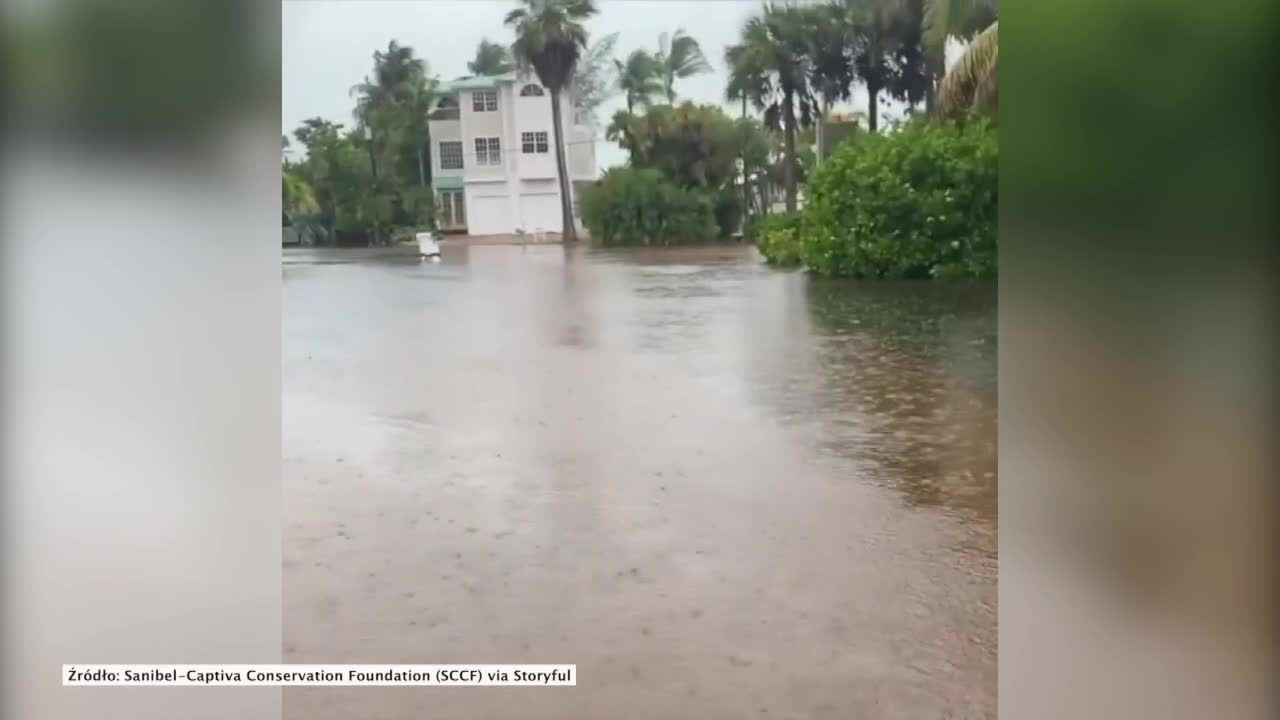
970	84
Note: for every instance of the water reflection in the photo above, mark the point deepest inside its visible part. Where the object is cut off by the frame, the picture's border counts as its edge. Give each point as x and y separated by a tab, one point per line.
899	378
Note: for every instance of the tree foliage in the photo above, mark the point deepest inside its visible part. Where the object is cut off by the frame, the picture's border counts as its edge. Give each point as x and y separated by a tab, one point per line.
679	56
780	239
491	59
697	148
639	79
691	145
639	206
771	67
593	76
372	179
970	85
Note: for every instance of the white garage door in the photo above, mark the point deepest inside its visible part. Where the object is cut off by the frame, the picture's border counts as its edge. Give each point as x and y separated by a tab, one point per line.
540	211
489	215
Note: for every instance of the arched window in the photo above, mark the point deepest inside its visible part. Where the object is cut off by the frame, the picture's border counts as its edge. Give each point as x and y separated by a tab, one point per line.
531	90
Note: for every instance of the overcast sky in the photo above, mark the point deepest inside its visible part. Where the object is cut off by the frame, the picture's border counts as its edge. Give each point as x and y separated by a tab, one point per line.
327	45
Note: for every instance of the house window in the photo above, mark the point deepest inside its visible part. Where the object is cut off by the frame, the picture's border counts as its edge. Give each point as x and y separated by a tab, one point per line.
488	151
451	156
484	100
531	91
533	142
446	109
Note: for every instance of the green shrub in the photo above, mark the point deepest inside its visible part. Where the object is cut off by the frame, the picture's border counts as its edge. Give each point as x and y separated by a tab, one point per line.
751	229
779	238
637	206
919	202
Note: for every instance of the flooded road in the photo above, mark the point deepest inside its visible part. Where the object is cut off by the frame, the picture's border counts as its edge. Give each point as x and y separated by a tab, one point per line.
722	490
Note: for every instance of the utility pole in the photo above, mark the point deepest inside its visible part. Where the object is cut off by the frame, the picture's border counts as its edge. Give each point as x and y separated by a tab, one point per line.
746	186
822	120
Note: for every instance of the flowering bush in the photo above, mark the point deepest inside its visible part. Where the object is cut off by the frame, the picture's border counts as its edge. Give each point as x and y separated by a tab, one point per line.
918	202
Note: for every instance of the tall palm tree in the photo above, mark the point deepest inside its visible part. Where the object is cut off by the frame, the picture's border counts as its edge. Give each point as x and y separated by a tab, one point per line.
873	22
770	66
970	85
831	73
394	71
491	59
946	19
550	37
418	123
593	80
381	102
746	84
397	75
832	46
639	78
679	56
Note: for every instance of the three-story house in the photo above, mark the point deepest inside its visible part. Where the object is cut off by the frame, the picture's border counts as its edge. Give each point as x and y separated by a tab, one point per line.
493	155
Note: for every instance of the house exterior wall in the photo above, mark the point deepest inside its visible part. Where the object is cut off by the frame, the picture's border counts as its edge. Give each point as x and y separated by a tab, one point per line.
482	125
533	115
445	131
581	153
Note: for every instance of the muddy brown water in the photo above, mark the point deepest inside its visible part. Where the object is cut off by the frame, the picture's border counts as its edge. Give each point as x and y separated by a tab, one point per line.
722	490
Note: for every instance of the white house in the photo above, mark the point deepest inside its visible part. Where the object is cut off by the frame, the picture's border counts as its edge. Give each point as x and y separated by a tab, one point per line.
493	155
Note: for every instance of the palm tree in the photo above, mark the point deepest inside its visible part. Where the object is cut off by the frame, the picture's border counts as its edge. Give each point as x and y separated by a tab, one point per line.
771	68
491	59
381	121
418	124
873	23
679	56
831	74
639	78
397	75
746	83
593	81
393	74
945	19
550	37
970	85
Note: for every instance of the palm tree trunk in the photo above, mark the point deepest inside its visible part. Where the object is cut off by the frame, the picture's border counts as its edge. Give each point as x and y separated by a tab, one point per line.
789	138
822	120
873	106
568	233
933	69
874	83
422	169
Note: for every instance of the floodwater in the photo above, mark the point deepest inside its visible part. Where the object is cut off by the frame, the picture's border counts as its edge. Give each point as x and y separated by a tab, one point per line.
722	490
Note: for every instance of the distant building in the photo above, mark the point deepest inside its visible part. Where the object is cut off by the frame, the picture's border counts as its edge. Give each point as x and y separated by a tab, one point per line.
493	155
834	130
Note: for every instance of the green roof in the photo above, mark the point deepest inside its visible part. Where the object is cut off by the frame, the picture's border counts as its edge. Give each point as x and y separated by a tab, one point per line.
479	82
